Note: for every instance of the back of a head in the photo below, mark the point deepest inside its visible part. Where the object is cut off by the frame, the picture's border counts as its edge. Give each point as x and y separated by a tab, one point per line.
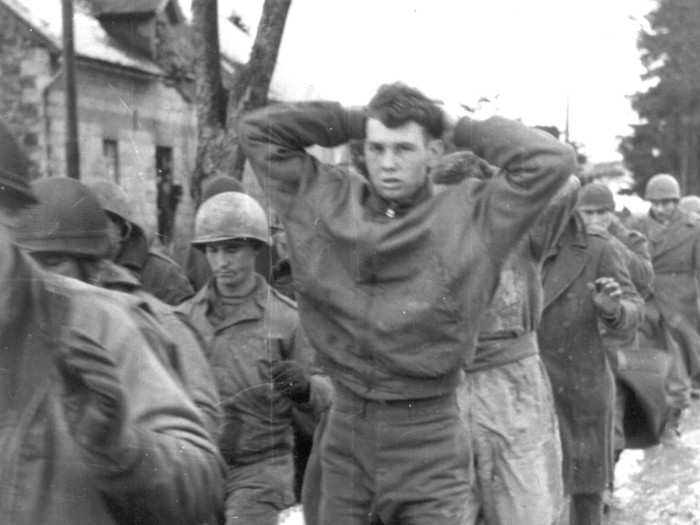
690	204
662	187
219	184
68	219
397	104
596	195
15	192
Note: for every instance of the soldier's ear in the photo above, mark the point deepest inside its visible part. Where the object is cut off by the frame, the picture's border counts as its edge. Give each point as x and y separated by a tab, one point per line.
436	149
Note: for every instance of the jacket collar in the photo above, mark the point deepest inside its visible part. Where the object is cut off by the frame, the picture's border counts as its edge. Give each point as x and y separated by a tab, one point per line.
114	277
134	251
251	308
378	205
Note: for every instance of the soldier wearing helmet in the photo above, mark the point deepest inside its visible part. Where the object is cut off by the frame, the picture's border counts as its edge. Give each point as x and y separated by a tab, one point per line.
674	237
259	357
68	233
95	429
158	274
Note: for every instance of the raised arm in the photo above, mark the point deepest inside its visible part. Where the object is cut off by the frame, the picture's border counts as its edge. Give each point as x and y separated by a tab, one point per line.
533	167
275	140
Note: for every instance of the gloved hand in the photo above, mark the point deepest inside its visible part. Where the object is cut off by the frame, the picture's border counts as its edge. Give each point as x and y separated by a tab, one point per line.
454	167
94	402
607	295
291	380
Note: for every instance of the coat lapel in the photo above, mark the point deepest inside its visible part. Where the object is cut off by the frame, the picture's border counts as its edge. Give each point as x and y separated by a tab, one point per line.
565	264
672	237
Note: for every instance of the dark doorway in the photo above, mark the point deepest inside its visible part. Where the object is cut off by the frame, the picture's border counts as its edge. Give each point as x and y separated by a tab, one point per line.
168	194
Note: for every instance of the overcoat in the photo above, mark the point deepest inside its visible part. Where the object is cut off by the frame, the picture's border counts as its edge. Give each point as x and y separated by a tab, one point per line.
571	345
675	254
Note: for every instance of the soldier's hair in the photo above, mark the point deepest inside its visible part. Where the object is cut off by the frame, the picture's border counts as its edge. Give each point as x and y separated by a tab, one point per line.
397	104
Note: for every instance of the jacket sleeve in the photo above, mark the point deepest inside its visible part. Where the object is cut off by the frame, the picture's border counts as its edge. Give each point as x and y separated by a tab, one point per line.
275	139
197	375
168	470
551	224
612	264
533	167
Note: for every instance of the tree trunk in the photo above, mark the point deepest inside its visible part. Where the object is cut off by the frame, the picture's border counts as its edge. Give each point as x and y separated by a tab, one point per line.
209	96
217	145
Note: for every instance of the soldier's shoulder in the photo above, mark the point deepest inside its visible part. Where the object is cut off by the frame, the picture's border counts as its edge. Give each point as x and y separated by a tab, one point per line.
92	304
160	258
284	301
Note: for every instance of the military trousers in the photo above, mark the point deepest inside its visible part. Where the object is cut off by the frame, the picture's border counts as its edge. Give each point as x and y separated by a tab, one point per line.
393	462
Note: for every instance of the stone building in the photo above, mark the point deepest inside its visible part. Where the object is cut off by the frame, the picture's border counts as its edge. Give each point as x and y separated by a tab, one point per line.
137	123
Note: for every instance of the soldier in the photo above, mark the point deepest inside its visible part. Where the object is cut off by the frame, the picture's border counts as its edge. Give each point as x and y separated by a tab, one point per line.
587	294
158	273
67	233
95	430
253	341
506	399
392	279
674	238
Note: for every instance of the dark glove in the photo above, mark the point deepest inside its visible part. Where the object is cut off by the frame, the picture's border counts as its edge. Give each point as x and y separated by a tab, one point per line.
454	167
95	404
291	380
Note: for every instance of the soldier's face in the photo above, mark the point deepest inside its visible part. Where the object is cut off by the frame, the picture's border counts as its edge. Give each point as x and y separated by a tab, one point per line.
231	262
595	217
664	209
398	159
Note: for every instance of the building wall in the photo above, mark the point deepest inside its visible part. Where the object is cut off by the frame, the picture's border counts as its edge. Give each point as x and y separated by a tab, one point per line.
139	113
25	69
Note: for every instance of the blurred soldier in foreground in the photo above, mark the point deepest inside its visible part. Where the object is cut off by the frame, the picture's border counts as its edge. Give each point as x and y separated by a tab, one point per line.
253	342
95	430
506	398
392	280
674	238
588	295
158	273
68	233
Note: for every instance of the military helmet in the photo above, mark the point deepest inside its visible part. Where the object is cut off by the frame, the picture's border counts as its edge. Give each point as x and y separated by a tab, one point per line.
596	195
690	204
661	187
68	219
15	190
228	216
113	199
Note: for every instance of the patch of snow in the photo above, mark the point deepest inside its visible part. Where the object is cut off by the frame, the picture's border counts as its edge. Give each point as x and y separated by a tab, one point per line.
291	516
630	464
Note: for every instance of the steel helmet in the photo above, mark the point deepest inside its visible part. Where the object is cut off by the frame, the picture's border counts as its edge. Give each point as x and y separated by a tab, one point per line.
596	195
690	204
662	186
15	190
228	216
113	199
68	219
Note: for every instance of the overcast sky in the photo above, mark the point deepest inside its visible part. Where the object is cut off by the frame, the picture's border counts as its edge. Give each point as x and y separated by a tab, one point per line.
533	55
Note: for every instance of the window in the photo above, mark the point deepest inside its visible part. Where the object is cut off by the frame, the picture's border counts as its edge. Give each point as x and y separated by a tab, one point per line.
110	154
